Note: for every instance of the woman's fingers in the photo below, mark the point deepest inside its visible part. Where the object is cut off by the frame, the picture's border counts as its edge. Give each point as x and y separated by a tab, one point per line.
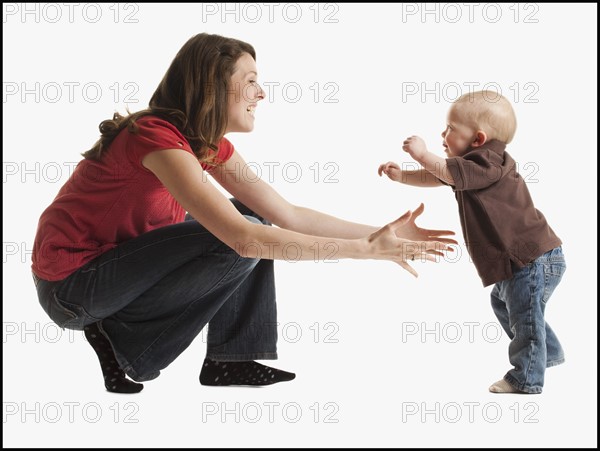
407	250
413	250
444	240
401	220
430	257
407	267
432	232
418	211
438	235
435	245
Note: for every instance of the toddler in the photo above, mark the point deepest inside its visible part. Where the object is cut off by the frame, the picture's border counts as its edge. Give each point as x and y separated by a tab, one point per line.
508	239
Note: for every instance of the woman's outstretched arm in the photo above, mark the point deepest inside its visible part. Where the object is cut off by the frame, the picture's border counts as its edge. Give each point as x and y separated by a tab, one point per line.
182	175
239	180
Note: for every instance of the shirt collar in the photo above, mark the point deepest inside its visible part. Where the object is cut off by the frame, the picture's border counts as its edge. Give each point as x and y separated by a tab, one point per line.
494	145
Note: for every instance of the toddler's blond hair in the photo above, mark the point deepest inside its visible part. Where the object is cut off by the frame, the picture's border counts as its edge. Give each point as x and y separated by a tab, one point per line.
488	111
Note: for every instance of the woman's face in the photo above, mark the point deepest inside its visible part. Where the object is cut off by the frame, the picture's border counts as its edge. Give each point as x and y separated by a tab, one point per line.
244	94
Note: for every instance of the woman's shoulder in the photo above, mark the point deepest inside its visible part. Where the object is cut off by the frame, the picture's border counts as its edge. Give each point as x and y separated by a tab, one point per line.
152	126
152	120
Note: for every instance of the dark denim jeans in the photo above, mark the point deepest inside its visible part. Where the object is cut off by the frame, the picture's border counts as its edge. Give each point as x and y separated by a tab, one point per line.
519	304
155	293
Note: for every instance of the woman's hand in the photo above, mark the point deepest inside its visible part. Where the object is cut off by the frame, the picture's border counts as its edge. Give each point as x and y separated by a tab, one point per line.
388	243
410	231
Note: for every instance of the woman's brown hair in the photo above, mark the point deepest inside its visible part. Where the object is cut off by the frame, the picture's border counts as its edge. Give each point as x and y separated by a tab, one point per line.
192	95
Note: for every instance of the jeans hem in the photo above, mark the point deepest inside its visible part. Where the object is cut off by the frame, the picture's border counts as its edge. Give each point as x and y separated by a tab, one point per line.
242	357
555	362
124	364
530	390
137	378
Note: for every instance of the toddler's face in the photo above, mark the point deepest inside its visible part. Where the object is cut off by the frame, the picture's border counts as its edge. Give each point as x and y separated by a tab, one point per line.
457	136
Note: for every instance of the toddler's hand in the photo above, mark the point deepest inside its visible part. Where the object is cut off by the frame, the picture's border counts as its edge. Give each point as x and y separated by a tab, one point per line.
391	169
415	147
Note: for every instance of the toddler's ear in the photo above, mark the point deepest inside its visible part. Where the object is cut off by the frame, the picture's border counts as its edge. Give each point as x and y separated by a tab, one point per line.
479	139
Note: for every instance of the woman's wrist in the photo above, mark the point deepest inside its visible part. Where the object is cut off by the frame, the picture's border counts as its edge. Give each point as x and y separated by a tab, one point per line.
357	249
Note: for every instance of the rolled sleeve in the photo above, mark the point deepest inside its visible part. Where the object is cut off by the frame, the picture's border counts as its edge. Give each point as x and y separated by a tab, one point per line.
474	171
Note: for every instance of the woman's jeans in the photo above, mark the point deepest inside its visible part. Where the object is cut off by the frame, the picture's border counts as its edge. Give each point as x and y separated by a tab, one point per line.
519	304
155	293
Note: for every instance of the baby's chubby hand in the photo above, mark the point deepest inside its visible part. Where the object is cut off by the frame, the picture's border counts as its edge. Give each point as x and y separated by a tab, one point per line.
391	169
415	147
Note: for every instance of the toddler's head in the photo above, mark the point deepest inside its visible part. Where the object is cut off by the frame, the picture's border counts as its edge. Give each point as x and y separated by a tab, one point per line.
476	118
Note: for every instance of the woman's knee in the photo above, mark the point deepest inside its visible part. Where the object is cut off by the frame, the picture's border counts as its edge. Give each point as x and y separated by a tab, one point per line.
247	212
255	220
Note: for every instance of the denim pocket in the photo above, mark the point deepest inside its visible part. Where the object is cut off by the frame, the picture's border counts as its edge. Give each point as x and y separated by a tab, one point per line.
80	317
555	269
64	314
553	273
57	313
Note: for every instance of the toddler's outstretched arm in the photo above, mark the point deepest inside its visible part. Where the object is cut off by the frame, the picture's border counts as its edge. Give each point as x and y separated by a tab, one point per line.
437	166
418	177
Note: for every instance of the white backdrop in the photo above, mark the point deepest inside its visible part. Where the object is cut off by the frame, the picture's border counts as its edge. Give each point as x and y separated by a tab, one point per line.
382	359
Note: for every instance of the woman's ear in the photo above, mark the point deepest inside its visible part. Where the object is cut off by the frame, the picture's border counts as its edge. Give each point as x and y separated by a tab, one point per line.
479	139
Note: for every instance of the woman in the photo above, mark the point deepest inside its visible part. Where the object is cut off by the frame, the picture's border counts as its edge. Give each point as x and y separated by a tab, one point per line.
116	256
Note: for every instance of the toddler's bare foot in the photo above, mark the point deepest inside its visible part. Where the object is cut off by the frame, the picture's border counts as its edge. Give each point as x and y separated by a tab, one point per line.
503	387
